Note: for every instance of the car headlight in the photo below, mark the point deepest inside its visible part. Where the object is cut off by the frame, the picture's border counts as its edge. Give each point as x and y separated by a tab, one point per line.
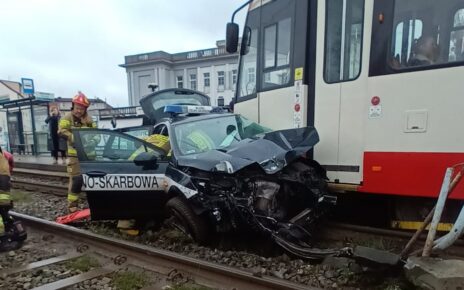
224	166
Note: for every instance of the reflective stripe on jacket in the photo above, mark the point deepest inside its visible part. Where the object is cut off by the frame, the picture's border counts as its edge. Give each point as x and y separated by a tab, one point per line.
67	123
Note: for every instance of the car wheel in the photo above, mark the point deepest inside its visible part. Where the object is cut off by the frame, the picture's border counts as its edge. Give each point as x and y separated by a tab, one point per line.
186	220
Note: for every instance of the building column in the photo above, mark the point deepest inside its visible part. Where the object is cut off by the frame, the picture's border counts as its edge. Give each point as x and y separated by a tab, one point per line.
130	79
186	86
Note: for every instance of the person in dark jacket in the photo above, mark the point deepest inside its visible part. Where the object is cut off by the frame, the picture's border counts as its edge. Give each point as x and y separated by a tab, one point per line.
56	144
231	106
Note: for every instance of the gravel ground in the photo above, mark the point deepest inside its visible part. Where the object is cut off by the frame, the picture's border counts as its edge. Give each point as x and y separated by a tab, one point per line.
333	273
36	248
31	279
130	278
29	253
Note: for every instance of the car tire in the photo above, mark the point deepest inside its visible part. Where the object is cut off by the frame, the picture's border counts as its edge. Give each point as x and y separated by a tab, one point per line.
187	220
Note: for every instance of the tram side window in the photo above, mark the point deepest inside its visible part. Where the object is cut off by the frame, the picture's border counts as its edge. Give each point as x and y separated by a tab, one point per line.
343	40
277	39
426	33
405	34
456	50
248	63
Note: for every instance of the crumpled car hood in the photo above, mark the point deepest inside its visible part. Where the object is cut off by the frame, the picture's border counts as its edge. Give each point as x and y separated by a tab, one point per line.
272	151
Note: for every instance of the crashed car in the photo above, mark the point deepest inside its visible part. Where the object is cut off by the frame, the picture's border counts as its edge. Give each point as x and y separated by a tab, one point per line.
220	172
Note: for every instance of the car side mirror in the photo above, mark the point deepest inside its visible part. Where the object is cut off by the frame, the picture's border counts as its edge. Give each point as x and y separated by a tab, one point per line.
146	159
232	37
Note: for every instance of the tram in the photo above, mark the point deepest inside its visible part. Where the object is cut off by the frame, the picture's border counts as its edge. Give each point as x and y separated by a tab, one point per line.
381	81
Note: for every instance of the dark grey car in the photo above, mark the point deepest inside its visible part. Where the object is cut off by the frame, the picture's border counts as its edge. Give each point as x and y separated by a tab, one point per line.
222	172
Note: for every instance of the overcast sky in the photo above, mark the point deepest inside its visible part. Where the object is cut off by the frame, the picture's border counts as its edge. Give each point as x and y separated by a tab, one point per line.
71	45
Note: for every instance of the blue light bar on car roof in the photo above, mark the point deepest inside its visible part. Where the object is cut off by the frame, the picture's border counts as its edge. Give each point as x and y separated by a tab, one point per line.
182	109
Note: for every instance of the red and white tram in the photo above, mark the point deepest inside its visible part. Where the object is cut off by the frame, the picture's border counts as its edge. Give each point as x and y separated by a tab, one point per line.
382	82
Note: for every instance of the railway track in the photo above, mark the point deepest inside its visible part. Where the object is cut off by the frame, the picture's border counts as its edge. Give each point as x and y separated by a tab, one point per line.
114	256
35	180
52	182
332	235
60	190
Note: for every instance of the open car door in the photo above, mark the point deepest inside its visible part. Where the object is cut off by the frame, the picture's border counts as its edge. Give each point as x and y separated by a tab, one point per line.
123	175
154	103
139	131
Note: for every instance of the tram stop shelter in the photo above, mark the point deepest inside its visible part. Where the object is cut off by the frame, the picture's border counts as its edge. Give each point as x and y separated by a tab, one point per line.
27	131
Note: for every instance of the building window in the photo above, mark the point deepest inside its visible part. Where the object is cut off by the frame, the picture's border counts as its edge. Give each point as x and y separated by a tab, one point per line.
251	75
221	78
220	101
193	82
234	77
206	79
343	41
180	82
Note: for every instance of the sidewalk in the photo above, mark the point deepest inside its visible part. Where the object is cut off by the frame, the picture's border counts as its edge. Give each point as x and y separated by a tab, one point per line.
42	159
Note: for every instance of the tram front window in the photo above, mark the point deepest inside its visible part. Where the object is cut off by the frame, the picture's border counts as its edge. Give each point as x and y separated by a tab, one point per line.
248	63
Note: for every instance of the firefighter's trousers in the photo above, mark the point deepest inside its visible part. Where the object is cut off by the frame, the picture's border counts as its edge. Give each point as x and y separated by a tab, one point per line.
75	183
5	203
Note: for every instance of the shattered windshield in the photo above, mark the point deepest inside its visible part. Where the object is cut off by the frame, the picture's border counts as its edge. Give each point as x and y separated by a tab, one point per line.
215	133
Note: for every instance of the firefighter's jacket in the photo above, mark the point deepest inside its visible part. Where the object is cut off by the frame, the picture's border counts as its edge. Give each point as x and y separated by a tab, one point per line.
69	122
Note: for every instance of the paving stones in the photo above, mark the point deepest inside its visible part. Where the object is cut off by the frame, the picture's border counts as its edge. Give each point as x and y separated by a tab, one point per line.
435	274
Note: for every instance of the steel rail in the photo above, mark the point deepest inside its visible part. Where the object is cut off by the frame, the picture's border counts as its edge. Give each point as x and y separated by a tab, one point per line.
60	190
26	171
379	231
214	275
456	250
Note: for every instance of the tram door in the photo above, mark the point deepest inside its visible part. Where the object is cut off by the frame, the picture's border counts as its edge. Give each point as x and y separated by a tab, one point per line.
341	88
276	80
273	44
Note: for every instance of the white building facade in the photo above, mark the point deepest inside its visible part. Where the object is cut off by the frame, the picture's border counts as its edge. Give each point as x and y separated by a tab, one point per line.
211	71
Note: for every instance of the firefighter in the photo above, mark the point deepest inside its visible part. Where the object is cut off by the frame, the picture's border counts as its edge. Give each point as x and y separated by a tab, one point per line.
160	141
10	239
77	118
201	140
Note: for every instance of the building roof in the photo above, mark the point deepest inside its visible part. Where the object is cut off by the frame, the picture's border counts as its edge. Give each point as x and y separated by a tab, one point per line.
188	56
8	84
21	103
94	100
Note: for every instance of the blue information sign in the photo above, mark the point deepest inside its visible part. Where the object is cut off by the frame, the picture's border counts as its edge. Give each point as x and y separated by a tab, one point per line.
28	86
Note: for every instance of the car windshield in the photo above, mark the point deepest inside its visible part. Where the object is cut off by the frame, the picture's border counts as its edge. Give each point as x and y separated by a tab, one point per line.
215	133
